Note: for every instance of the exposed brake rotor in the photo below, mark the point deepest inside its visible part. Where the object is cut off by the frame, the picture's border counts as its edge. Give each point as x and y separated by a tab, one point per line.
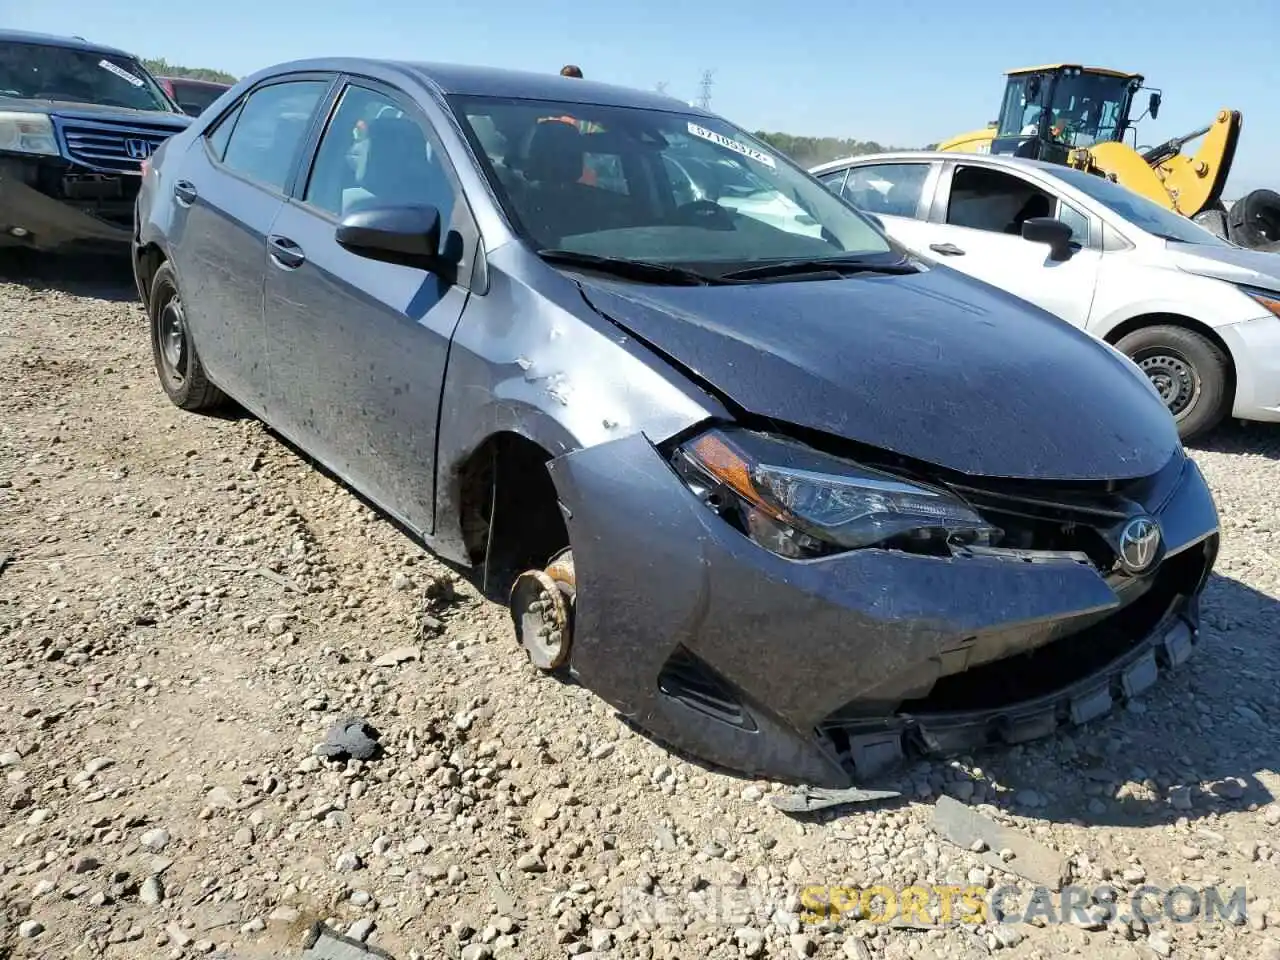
542	609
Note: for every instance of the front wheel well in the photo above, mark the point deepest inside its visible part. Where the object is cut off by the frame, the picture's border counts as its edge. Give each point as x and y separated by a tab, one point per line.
509	510
1176	320
150	259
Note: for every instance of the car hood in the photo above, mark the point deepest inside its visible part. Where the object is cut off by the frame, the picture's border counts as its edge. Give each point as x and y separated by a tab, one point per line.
1233	264
92	111
932	366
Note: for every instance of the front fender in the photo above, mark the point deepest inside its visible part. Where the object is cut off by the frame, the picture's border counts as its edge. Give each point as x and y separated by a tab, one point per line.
544	365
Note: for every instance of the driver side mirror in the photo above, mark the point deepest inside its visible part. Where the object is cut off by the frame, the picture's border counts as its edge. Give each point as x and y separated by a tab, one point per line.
1153	105
405	235
1053	232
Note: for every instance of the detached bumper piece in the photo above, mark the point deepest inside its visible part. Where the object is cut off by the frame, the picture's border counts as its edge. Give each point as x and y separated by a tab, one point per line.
827	671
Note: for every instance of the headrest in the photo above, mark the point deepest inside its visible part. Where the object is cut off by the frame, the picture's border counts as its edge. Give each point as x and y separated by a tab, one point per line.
555	153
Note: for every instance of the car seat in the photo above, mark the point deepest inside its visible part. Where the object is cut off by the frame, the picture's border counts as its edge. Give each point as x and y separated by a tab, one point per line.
1036	205
398	170
553	164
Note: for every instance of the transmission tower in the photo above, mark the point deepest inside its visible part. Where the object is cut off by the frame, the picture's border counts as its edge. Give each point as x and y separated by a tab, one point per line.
704	100
661	86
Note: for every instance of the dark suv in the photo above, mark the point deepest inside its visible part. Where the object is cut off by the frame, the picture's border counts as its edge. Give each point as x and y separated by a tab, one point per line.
76	122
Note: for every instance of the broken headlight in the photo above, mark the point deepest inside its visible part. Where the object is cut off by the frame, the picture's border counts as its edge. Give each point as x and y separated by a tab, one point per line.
800	503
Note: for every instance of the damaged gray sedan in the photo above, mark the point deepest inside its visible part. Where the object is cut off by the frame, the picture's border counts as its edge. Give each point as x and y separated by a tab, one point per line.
790	499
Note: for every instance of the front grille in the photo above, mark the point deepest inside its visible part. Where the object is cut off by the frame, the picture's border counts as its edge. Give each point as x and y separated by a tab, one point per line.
1047	521
106	146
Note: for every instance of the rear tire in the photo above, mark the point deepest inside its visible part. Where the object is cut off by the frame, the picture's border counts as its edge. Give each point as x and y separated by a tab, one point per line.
1254	219
174	352
1190	371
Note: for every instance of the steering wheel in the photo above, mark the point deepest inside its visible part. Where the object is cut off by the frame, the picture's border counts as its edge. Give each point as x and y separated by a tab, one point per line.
1064	129
705	213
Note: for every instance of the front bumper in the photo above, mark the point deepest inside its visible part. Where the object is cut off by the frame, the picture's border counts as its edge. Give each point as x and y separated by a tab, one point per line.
827	671
49	203
1255	350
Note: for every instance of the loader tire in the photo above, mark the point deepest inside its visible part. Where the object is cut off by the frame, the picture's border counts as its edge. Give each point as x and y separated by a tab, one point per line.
1191	373
1254	219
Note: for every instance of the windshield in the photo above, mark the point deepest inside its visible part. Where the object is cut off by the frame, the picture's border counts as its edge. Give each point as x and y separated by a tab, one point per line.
1086	109
35	71
1138	210
649	185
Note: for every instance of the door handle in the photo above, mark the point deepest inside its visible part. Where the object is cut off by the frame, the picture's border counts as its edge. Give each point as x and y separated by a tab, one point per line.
946	249
184	191
285	252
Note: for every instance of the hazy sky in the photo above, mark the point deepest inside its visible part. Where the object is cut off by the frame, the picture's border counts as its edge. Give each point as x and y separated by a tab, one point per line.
903	73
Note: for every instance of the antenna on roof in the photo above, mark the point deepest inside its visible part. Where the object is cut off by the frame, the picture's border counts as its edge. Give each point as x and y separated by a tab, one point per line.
704	100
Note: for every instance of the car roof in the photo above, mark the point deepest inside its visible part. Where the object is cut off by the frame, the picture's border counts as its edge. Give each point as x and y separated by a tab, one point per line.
928	156
457	79
1101	71
52	40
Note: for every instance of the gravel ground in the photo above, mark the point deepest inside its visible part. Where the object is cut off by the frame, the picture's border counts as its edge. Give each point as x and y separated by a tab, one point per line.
190	605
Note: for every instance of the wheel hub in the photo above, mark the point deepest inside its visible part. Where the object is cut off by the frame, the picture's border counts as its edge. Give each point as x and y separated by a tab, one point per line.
1174	379
173	338
540	610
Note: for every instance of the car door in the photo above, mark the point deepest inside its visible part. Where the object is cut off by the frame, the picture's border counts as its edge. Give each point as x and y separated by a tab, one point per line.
975	227
358	346
229	187
897	192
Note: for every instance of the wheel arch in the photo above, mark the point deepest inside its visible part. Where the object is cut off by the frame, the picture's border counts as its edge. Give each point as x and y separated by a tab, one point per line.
147	260
506	508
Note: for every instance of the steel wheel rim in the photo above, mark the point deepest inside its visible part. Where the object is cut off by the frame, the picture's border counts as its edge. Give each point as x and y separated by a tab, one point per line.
1174	379
173	338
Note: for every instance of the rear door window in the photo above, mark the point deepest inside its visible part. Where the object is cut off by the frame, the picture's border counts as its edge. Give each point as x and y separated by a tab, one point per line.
834	181
892	189
218	137
270	129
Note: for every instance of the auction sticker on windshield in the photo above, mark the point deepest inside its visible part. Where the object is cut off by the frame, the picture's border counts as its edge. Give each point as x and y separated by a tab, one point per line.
729	144
120	72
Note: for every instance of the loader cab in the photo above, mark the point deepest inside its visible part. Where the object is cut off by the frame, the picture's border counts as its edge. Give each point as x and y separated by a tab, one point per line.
1050	111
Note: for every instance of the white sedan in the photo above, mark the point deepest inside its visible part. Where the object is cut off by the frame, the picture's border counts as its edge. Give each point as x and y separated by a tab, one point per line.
1200	316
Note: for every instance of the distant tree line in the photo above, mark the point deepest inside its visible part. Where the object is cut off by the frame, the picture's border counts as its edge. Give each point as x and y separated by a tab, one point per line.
811	151
160	67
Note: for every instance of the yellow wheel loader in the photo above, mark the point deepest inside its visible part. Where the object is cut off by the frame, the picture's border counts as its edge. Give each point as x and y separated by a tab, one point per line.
1080	117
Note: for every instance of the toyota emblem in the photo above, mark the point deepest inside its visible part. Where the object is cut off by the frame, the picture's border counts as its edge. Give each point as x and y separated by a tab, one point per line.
1139	543
137	149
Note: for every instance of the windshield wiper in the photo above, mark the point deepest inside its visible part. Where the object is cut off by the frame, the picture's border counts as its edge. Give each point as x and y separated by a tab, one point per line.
643	270
840	265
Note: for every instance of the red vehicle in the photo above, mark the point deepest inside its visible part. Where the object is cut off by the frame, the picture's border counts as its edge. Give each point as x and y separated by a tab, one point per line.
192	95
